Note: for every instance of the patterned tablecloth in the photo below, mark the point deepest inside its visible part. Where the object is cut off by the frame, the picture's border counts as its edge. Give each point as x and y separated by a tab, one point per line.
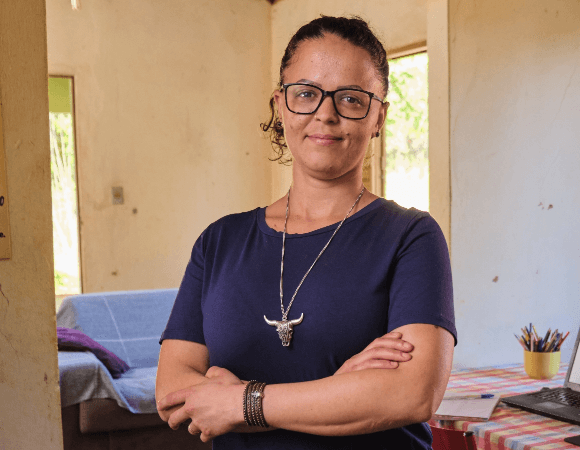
510	428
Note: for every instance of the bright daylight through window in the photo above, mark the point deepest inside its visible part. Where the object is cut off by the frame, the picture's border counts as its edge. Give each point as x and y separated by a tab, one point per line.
64	189
407	133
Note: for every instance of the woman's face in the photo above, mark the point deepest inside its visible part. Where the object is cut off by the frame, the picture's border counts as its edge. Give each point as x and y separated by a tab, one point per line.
325	145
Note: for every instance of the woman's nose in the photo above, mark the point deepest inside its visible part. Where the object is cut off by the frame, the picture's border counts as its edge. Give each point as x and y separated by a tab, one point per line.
326	111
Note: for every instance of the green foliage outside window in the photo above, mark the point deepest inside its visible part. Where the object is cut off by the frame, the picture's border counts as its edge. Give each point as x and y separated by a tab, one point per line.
408	117
64	204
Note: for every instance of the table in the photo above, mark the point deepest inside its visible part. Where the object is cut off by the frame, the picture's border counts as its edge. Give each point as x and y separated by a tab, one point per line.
510	428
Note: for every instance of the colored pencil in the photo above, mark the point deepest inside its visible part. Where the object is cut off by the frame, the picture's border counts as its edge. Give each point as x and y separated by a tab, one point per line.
561	342
535	332
531	341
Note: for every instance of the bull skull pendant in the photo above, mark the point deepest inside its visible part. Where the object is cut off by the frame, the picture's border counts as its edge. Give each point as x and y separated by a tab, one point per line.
284	328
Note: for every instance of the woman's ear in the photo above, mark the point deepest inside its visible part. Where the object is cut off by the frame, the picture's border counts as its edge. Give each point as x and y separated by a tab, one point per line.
382	115
278	97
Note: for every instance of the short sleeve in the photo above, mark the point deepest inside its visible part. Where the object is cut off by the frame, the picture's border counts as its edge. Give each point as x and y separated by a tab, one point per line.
186	319
421	289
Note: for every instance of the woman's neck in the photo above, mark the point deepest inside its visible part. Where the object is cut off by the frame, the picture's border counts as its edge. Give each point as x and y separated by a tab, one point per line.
315	204
321	202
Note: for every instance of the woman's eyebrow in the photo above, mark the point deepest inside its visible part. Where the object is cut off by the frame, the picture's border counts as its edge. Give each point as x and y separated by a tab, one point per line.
313	83
351	86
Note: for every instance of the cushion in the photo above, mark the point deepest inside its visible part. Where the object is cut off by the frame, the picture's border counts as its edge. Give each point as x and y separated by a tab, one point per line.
69	339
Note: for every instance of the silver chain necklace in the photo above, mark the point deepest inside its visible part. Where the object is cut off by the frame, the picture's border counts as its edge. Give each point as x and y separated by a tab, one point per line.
285	326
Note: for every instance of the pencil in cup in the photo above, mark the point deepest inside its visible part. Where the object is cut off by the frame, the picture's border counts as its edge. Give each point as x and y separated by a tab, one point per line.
551	342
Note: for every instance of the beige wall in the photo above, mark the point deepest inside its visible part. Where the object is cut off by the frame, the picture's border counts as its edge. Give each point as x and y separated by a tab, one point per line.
169	97
30	400
515	164
397	23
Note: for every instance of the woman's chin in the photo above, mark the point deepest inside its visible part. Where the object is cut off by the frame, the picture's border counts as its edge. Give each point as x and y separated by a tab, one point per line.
325	170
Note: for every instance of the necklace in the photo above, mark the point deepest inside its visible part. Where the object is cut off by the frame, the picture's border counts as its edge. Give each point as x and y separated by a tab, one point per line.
285	327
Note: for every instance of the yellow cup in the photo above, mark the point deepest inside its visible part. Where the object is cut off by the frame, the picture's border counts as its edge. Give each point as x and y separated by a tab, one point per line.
541	365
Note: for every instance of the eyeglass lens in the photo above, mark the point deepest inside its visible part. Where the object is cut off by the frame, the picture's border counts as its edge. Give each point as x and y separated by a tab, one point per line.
304	99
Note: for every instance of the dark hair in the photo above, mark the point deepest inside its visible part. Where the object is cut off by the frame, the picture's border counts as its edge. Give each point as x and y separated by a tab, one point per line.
352	29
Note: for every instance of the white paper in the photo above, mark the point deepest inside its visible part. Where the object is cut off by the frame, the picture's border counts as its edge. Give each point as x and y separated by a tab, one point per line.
473	408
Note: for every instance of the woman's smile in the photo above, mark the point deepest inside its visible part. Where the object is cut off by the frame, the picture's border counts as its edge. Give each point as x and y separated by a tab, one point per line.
324	139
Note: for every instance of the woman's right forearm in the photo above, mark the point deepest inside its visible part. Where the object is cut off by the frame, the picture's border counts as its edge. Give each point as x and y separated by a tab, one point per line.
181	365
174	380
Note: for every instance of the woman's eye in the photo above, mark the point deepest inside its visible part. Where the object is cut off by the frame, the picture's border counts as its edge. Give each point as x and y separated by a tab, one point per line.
306	94
351	99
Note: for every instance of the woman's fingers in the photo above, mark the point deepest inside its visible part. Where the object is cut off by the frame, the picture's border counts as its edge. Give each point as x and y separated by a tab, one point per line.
384	352
394	334
177	418
172	399
381	354
391	340
215	371
388	357
204	437
213	406
192	429
376	364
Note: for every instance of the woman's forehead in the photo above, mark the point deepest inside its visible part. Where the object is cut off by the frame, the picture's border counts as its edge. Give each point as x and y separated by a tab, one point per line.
332	60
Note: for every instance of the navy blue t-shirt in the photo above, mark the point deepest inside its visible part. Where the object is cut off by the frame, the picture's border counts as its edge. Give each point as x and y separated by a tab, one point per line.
386	267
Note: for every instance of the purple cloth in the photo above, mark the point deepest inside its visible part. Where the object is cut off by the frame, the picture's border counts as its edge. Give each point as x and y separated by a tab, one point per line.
69	339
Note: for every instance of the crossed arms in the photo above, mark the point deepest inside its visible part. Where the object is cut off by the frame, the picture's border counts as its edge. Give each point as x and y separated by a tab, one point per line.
361	397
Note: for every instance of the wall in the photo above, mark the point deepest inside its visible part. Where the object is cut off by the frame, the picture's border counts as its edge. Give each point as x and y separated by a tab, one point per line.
168	100
29	393
515	164
398	25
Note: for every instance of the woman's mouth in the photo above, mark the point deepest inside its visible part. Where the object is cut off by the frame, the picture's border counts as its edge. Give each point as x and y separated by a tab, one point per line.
324	139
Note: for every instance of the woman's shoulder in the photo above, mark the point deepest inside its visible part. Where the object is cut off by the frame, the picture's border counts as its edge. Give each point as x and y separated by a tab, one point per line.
391	221
392	212
233	222
225	230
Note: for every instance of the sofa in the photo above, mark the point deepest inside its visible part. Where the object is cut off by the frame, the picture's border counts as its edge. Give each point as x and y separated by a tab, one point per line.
107	381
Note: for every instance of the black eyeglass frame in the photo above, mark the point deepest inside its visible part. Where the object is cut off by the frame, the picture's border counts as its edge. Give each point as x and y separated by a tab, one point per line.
331	95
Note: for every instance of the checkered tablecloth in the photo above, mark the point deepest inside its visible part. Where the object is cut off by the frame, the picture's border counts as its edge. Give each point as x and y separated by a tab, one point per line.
510	428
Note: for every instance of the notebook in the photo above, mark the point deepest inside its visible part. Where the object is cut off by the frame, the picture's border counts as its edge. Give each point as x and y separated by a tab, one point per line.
475	409
558	403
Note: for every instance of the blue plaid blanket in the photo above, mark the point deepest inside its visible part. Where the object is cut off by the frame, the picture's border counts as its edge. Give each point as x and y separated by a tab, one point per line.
128	324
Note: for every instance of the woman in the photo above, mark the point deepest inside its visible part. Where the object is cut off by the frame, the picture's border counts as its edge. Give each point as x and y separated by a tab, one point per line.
353	267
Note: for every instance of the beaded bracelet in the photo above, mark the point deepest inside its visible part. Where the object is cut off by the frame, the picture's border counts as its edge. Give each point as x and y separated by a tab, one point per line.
252	406
258	394
246	389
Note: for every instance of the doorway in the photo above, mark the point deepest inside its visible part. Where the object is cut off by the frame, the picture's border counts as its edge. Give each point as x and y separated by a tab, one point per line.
406	164
67	270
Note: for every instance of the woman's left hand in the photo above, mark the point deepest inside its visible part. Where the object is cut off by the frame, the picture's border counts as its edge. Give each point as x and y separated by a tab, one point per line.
385	352
214	406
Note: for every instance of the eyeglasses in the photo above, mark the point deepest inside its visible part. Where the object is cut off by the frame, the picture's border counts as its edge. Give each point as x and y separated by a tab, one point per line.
302	98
